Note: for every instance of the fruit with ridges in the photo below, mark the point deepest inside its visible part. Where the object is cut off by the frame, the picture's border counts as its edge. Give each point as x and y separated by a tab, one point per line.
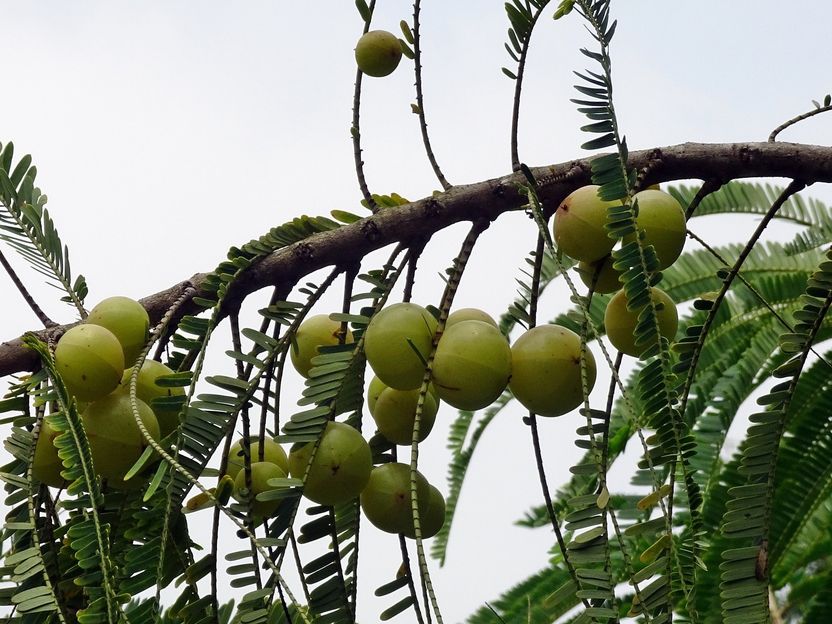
662	219
546	370
378	53
147	390
607	278
90	360
46	465
127	319
390	340
316	331
341	466
272	453
472	365
469	314
386	500
115	439
579	225
395	411
620	323
261	472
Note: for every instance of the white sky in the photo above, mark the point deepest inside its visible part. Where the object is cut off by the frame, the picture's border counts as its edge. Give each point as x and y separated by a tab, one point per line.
164	132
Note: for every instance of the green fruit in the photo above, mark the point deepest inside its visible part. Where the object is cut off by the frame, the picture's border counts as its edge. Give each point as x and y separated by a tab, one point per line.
386	500
341	466
469	314
115	439
662	219
147	390
390	340
546	370
127	319
90	360
376	387
607	278
395	412
47	466
434	519
472	365
261	472
316	331
620	323
378	53
579	225
272	453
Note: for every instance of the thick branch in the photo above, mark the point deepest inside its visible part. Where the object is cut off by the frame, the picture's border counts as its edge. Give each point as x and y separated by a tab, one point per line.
490	199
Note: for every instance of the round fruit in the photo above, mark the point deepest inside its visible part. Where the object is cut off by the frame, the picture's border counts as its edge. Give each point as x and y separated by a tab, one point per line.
378	53
376	387
579	225
395	411
341	466
432	521
115	439
47	466
472	365
147	390
469	314
607	278
316	331
90	361
620	323
127	319
546	370
390	340
663	221
261	472
386	500
273	453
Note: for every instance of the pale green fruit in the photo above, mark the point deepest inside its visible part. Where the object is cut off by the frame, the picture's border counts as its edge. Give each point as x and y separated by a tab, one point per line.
386	500
147	390
46	465
395	412
376	387
469	314
316	331
272	453
432	521
579	225
546	370
472	365
127	319
620	323
90	360
378	53
115	439
261	472
341	466
663	220
607	278
390	340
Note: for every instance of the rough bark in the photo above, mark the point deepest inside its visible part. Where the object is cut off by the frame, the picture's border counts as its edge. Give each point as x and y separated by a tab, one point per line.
488	199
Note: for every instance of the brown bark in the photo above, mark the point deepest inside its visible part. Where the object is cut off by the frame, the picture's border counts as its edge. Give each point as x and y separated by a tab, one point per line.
491	198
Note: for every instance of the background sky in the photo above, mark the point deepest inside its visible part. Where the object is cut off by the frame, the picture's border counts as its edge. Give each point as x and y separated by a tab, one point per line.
165	132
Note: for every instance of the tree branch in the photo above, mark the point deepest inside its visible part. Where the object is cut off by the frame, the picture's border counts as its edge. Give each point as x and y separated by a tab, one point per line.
489	199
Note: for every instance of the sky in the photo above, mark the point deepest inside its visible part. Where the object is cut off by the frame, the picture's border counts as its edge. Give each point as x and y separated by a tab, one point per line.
165	132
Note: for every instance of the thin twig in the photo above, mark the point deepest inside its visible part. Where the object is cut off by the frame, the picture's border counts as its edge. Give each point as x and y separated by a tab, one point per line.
27	297
799	118
355	130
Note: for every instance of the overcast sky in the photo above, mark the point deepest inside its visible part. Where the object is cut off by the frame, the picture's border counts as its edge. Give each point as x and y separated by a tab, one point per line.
164	132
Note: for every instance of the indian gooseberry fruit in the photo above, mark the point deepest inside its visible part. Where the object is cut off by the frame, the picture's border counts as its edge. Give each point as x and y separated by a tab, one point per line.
392	340
376	387
272	453
395	412
607	281
378	53
90	360
546	370
127	319
341	466
116	441
147	390
46	465
579	225
316	331
662	219
261	472
472	365
432	521
620	322
469	314
386	500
